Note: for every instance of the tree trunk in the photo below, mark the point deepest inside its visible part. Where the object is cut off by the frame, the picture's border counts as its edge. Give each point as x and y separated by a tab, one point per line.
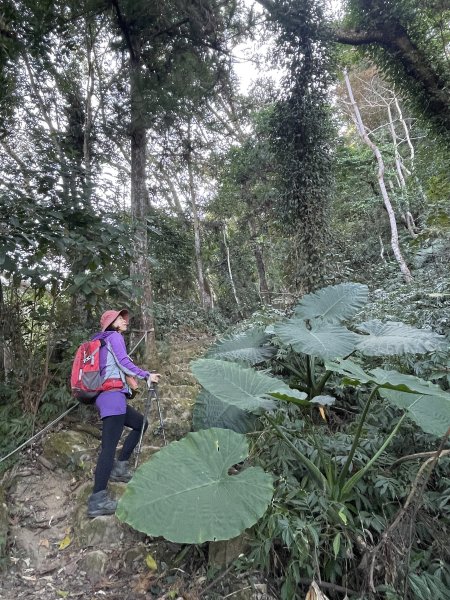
140	268
366	139
205	298
2	335
260	266
230	272
88	120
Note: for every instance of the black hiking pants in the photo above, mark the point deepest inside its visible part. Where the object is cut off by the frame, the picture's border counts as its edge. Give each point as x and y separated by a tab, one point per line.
111	432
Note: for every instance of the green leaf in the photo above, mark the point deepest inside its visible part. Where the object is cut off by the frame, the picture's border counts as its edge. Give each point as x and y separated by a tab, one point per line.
324	340
342	515
209	411
184	492
229	382
291	395
386	339
353	374
430	413
336	544
405	383
323	400
334	303
247	347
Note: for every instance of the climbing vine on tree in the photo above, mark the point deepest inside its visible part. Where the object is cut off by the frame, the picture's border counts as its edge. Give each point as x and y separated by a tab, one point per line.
302	134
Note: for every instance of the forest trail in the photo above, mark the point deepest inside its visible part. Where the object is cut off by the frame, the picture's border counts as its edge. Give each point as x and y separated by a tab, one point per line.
55	551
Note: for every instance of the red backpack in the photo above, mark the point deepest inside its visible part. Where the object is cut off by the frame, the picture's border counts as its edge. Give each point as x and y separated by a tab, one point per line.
86	381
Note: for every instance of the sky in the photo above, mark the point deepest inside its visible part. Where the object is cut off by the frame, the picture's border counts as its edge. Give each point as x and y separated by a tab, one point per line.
246	66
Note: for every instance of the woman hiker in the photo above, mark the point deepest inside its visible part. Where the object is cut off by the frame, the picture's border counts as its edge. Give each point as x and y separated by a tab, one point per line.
115	412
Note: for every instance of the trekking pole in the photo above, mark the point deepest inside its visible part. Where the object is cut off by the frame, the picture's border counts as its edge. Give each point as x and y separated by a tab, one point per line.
161	422
147	406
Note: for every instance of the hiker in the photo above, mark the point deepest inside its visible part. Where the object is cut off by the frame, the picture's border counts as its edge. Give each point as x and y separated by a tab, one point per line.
115	411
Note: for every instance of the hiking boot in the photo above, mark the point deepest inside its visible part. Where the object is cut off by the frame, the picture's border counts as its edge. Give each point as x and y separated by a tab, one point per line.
100	504
121	471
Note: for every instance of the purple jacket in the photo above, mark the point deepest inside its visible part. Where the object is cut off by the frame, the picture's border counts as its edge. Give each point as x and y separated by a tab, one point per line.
114	360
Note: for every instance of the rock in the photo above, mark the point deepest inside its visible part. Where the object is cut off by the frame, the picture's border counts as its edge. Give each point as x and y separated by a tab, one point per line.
134	556
105	531
69	448
94	565
222	553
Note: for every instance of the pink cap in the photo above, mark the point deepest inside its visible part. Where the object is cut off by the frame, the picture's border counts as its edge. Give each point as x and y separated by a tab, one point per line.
110	316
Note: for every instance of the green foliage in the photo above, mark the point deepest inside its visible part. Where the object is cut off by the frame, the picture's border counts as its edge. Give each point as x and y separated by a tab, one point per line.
200	501
302	134
249	347
329	477
318	339
396	338
333	304
421	70
210	411
250	390
179	314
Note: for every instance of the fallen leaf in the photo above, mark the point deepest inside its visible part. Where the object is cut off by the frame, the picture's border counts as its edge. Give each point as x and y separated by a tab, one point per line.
62	593
314	593
44	542
63	544
151	563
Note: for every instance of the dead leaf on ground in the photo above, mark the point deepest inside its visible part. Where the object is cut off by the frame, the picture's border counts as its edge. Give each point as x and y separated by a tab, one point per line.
314	593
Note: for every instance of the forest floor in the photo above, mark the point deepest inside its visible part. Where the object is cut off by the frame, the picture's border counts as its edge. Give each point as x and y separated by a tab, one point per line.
48	559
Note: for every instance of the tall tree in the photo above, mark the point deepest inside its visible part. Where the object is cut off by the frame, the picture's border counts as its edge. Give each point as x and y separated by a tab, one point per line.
168	46
302	132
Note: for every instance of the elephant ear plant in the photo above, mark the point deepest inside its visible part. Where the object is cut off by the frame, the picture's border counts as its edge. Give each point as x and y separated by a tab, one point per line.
185	492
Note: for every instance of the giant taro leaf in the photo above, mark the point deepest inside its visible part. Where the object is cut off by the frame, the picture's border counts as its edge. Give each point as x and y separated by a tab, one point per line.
321	339
184	492
430	413
334	303
402	382
242	387
354	374
248	347
209	411
396	338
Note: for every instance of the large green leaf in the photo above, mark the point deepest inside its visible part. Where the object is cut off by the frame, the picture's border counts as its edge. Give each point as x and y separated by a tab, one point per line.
334	303
430	413
184	492
248	347
321	339
396	338
229	382
405	383
288	394
354	374
209	411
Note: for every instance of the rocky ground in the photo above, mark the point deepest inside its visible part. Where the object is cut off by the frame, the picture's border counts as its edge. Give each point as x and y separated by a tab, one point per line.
54	551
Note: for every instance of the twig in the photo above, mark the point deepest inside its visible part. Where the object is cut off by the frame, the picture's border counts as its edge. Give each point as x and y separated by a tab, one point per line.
328	586
418	486
216	580
418	455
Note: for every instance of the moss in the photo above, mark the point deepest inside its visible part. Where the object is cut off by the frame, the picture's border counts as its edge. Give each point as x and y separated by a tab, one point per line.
66	448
